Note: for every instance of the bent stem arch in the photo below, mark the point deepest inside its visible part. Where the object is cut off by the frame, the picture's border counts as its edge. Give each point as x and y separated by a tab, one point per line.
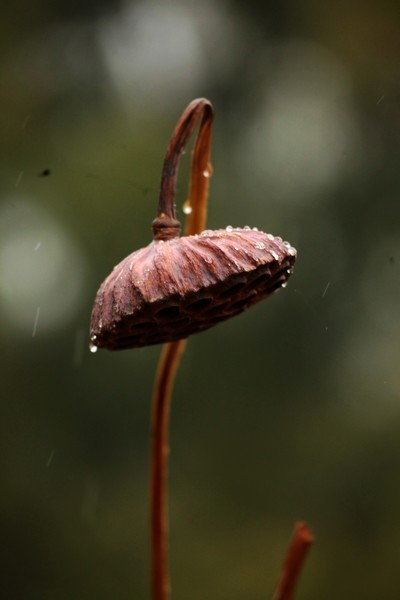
166	226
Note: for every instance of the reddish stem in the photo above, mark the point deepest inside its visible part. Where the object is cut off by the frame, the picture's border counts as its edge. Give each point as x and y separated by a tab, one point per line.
164	226
169	362
296	554
201	171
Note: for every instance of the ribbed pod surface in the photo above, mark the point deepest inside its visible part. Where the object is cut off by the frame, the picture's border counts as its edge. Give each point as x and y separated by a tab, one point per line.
171	289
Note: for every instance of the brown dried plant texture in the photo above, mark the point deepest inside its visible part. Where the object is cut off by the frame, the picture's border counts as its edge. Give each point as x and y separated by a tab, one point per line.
184	285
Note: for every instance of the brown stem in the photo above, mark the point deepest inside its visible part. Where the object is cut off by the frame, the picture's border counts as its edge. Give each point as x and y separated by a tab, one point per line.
165	225
296	554
201	171
168	365
171	353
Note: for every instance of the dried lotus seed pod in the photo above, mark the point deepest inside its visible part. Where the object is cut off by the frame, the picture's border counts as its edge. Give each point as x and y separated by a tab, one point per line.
183	285
177	286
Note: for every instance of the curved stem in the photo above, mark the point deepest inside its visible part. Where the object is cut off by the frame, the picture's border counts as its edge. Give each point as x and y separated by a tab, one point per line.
168	365
165	224
171	352
201	171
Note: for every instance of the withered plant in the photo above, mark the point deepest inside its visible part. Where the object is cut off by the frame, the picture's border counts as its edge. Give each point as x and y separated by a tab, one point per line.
177	286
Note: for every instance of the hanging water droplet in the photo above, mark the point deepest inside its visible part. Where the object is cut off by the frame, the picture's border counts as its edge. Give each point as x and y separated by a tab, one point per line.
208	172
284	284
274	255
92	348
187	209
229	228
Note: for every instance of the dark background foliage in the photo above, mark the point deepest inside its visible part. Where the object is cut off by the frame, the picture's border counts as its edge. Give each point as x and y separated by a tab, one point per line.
289	411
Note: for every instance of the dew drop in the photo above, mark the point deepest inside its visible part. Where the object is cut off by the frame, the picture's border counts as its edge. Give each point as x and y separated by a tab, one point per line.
92	348
274	255
247	227
229	228
255	228
208	172
187	209
284	284
270	237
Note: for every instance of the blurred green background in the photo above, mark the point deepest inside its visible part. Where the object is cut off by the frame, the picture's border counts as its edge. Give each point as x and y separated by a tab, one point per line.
291	410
